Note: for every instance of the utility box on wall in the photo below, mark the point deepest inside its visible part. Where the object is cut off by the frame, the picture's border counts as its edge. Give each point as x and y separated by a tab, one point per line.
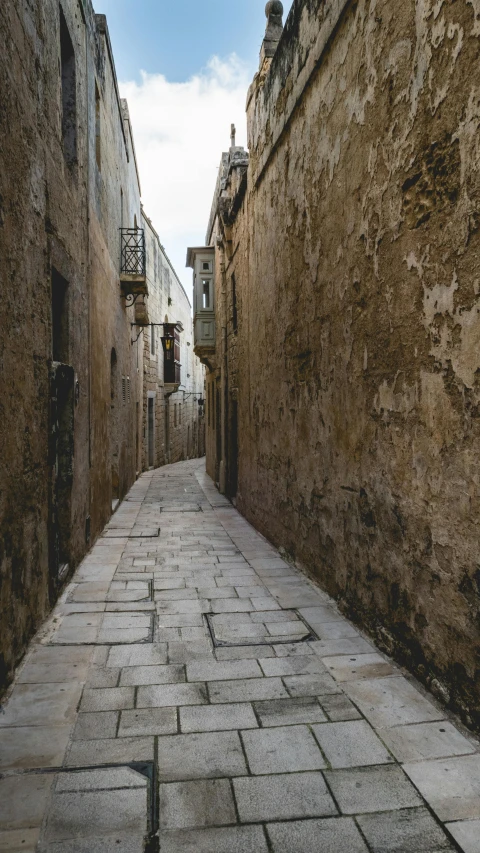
202	261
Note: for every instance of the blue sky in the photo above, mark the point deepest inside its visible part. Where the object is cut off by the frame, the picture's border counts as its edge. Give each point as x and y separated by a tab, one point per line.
178	38
185	68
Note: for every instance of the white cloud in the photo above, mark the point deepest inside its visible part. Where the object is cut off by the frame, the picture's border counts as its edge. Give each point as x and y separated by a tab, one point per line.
180	131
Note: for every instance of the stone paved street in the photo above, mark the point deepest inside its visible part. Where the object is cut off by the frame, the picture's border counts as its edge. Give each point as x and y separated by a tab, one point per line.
192	686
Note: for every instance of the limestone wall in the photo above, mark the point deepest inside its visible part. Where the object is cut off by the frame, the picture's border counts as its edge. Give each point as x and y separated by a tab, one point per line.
60	213
358	385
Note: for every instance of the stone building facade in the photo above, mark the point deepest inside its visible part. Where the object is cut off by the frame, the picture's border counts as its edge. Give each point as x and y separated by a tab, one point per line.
72	396
172	418
343	389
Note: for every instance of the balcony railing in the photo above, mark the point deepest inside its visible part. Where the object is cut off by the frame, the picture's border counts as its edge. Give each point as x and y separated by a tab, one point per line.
133	256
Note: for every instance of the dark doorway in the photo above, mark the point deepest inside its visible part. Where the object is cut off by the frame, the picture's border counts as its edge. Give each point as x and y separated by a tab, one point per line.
218	432
232	472
114	426
61	444
167	430
151	432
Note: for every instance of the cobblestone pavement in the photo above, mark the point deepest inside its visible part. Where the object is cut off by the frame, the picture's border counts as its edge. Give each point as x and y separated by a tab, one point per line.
193	687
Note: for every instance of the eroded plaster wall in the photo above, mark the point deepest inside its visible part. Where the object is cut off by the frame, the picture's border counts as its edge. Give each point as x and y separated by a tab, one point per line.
60	211
359	384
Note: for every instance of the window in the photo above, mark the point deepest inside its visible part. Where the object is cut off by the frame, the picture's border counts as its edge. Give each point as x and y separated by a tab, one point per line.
152	340
69	94
175	414
206	266
98	151
205	293
180	414
234	305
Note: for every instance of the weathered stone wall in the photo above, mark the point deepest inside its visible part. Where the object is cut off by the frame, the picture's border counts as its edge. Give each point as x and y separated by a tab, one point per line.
359	326
60	212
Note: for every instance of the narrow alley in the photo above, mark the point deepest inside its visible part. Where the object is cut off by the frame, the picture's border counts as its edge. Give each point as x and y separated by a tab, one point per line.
194	692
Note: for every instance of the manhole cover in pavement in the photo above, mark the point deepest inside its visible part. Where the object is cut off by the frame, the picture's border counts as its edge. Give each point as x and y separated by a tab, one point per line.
258	628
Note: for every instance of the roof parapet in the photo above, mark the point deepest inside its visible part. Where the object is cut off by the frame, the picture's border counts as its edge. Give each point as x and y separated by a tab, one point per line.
274	30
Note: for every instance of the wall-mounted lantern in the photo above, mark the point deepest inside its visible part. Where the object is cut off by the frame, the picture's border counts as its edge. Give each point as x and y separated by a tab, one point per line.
171	357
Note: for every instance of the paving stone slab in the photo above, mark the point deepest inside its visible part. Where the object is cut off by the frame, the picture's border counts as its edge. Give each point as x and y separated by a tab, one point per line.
311	685
450	786
196	805
372	789
339	708
283	712
223	671
332	835
340	630
41	705
23	800
333	648
426	741
354	667
111	636
351	744
103	779
19	841
283	797
403	831
186	652
109	699
286	749
187	605
243	652
145	675
31	747
466	833
226	605
294	666
148	721
102	676
168	595
217	718
96	726
86	753
148	654
80	814
247	690
35	672
181	620
200	756
238	839
388	702
165	695
119	843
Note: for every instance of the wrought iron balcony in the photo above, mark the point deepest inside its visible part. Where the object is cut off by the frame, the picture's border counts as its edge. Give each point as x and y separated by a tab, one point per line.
133	271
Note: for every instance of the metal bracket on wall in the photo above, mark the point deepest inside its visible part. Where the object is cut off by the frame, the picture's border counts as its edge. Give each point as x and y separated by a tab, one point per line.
143	326
130	298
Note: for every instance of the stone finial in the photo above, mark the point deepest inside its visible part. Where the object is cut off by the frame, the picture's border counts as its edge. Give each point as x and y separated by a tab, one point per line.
233	134
274	15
